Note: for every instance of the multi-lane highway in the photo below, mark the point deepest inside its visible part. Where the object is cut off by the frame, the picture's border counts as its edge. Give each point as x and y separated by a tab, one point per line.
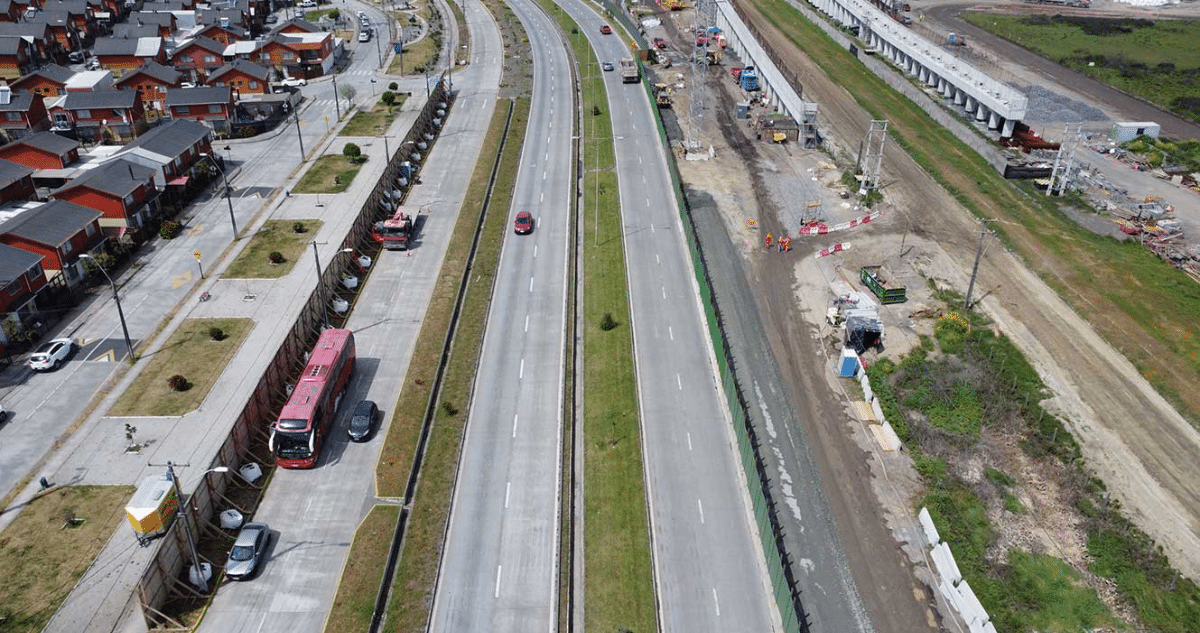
709	569
501	556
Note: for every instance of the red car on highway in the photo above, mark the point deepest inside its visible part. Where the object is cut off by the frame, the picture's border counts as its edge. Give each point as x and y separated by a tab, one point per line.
523	224
605	29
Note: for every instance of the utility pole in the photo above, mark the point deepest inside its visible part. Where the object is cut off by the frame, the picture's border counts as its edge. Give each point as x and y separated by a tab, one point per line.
983	231
187	529
300	136
320	286
336	105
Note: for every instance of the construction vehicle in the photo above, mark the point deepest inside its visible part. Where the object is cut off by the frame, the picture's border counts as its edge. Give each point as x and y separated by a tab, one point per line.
1080	4
748	79
662	95
399	231
629	71
888	291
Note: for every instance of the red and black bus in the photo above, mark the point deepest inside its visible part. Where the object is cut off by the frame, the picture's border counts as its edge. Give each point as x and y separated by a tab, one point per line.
304	422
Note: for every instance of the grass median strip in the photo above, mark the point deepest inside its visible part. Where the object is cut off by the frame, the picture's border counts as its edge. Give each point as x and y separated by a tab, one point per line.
331	173
375	121
49	546
355	599
412	591
275	236
1132	298
619	584
193	352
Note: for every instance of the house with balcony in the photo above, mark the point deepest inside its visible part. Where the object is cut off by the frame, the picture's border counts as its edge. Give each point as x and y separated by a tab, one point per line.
224	33
211	105
296	25
123	191
121	55
198	56
164	24
61	27
151	81
41	40
42	150
24	283
107	116
91	81
16	182
46	81
243	76
21	113
173	149
57	231
11	11
16	58
303	55
78	16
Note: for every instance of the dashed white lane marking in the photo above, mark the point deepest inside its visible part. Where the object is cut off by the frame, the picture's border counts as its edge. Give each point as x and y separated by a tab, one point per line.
689	436
716	601
514	432
521	371
531	285
678	381
670	332
500	572
701	506
507	491
526	322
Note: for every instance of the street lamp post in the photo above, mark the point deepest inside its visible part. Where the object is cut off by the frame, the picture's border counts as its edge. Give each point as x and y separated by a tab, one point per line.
320	285
337	107
229	196
120	312
300	135
187	526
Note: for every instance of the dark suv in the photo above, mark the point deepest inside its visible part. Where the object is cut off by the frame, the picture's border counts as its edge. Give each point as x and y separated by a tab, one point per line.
362	422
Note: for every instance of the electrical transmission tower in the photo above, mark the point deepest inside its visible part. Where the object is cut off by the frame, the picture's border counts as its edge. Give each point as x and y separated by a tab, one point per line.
1064	160
698	99
870	160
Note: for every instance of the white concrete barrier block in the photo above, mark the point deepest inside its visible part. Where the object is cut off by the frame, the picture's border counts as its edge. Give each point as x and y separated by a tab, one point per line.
989	627
951	594
931	533
972	609
868	394
946	565
891	435
877	409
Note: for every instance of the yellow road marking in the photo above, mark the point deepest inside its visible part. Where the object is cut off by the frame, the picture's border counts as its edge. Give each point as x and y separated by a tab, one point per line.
182	279
195	230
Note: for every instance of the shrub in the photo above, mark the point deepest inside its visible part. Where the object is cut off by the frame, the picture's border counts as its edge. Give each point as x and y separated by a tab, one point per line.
595	110
449	408
298	227
170	230
388	98
179	383
276	257
351	151
607	322
393	86
216	334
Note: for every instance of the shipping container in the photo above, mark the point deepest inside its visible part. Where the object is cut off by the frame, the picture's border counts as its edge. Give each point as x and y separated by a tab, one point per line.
152	507
1128	130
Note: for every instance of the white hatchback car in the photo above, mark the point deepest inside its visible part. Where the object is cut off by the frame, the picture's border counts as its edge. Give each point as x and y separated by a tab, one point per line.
51	355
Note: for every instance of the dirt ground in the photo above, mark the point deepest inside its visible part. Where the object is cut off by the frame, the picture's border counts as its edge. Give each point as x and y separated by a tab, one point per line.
1133	439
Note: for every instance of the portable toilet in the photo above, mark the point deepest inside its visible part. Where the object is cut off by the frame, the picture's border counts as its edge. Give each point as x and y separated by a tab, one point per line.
152	507
848	365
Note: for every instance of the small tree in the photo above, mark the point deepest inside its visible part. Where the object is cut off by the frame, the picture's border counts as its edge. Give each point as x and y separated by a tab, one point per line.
179	383
170	230
334	14
276	257
388	98
607	322
216	334
393	86
348	93
352	152
298	227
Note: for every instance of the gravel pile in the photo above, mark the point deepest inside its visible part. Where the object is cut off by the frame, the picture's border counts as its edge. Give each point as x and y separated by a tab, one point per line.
1047	105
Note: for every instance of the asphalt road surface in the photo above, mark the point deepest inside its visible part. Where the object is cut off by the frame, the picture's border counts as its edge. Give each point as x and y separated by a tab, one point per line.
500	564
709	568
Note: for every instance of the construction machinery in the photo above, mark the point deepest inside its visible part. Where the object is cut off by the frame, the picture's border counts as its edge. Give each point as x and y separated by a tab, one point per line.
662	95
748	79
397	232
888	291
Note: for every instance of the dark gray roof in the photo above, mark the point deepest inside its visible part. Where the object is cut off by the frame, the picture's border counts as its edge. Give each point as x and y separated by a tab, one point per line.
171	5
201	95
48	141
146	18
171	139
156	70
116	177
10	44
115	46
100	99
78	7
15	262
52	223
261	73
23	29
19	101
11	172
206	43
300	22
239	31
214	17
134	31
51	16
53	72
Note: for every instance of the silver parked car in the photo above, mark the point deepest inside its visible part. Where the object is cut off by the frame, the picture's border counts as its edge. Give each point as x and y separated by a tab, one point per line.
248	551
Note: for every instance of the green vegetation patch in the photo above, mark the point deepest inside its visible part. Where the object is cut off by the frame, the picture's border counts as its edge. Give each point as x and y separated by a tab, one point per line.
192	353
49	546
1162	151
355	600
421	55
289	238
413	586
331	173
374	122
1155	60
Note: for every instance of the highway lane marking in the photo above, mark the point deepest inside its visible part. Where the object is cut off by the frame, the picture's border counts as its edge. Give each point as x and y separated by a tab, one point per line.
542	198
535	248
640	162
543	175
678	381
514	434
531	285
689	436
657	260
651	228
647	202
700	505
716	601
526	322
670	333
664	292
521	371
507	490
500	572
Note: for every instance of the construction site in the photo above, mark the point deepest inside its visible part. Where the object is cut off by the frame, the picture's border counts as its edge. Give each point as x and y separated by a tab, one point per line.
882	258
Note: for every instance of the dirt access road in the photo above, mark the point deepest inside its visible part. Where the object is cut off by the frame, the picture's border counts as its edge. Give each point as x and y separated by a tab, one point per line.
1131	437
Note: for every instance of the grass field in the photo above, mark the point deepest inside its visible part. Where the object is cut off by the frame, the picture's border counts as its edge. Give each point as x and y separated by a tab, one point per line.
275	236
43	555
417	573
1158	61
375	121
331	173
618	581
191	353
355	599
418	56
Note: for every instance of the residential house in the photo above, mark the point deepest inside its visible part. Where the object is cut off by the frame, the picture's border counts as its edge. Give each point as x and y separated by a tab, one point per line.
107	11
296	25
173	149
21	113
225	34
222	17
42	150
121	190
121	55
105	115
211	105
198	56
169	5
46	81
164	23
16	182
11	11
128	31
41	39
151	82
79	15
61	27
90	81
304	55
24	281
58	231
243	76
16	58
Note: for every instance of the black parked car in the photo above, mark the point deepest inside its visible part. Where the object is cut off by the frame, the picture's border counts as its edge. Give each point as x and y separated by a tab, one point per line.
362	423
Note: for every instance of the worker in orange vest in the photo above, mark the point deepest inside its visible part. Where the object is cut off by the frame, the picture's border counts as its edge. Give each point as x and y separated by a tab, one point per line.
769	238
787	244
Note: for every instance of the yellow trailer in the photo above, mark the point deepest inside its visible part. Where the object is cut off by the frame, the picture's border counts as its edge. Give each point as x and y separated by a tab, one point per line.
152	507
